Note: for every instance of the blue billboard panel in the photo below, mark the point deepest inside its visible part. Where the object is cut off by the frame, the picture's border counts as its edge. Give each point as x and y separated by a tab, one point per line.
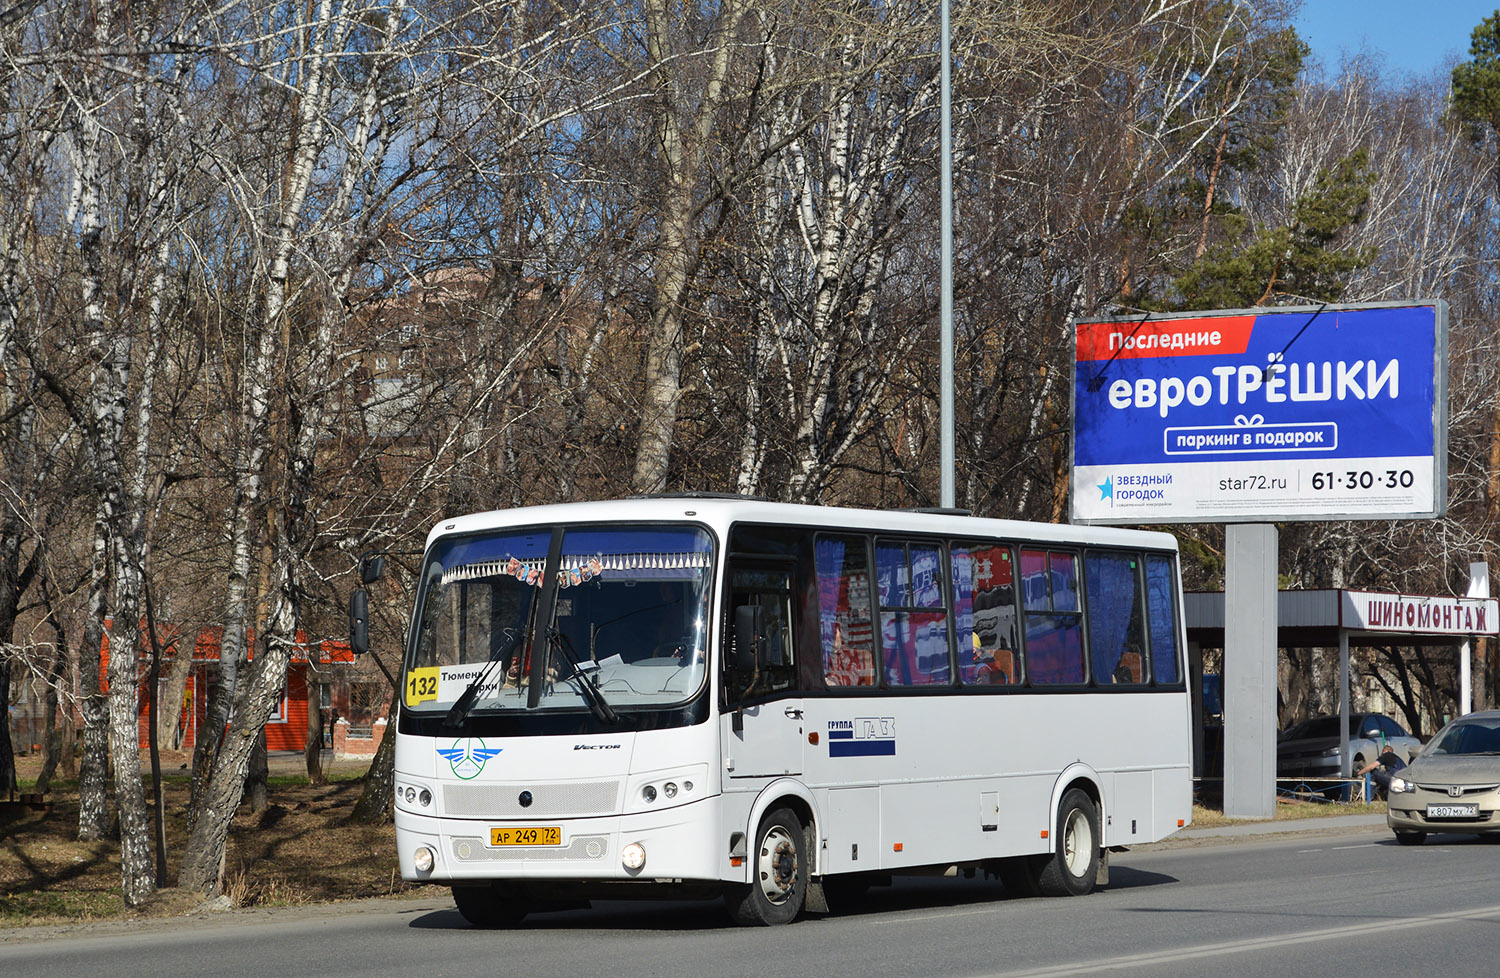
1310	413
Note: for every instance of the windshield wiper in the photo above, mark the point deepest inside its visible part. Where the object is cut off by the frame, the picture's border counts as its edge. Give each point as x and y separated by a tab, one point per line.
462	706
582	681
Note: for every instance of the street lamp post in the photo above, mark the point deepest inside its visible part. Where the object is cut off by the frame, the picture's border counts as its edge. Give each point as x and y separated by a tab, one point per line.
949	494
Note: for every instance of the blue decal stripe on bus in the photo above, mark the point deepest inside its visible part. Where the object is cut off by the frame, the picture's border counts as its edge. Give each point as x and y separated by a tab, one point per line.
841	735
862	748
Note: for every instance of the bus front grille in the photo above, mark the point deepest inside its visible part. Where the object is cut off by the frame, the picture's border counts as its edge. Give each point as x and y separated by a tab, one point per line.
471	849
503	801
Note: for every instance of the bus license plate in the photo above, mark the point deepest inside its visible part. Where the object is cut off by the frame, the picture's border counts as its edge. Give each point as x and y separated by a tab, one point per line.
1452	811
529	835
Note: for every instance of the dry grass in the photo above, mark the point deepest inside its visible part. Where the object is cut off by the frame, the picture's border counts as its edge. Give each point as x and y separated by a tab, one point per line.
1287	809
301	849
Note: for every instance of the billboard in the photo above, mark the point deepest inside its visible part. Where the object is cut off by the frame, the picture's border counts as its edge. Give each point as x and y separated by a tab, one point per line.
1307	413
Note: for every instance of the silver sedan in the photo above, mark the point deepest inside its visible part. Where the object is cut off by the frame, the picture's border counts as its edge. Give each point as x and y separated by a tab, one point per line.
1453	785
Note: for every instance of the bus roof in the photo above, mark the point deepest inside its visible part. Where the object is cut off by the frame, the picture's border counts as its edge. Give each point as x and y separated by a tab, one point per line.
720	512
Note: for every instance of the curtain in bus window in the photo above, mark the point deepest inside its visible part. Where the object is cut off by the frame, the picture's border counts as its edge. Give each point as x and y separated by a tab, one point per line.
984	608
1161	604
913	620
1054	631
1116	640
845	626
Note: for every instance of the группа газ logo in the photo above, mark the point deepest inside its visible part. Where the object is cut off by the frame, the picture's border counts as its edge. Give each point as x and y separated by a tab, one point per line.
467	756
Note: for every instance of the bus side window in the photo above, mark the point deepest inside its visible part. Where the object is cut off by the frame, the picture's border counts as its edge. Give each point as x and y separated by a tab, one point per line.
1054	625
760	658
845	625
1116	638
1161	604
913	618
984	607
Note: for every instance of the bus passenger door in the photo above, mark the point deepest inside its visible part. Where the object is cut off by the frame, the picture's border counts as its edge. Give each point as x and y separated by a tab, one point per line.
763	712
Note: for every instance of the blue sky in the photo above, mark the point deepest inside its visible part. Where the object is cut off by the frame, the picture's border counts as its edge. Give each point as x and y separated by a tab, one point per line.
1414	36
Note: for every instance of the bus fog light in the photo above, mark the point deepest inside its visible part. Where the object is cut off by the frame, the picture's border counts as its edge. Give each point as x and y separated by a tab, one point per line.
649	793
670	789
633	856
424	859
424	797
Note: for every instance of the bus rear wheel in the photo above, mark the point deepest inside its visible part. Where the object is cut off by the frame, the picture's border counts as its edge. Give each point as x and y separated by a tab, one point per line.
1073	867
778	873
482	906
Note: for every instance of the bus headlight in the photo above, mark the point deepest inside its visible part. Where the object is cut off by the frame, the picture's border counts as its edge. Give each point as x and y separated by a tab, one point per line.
633	857
423	859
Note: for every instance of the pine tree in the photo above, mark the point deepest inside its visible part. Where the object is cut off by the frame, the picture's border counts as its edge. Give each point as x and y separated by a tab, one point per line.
1302	256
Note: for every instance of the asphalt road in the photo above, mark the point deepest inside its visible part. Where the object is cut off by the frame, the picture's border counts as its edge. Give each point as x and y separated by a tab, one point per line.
1346	901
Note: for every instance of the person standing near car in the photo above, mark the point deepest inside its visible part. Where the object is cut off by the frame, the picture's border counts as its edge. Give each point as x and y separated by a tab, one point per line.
1383	768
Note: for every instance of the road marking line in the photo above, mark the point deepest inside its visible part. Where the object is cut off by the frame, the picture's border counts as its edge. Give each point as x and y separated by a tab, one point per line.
1154	958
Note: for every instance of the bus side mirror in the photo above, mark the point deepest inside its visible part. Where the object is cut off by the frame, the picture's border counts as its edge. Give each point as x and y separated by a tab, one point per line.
371	566
359	621
749	628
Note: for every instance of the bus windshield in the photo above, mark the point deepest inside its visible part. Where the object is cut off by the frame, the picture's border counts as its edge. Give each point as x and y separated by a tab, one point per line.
630	619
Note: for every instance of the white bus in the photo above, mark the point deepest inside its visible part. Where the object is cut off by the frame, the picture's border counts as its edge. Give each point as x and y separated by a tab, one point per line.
780	705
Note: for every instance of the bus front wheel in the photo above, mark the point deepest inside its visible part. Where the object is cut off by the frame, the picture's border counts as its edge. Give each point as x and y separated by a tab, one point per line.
778	873
483	907
1072	868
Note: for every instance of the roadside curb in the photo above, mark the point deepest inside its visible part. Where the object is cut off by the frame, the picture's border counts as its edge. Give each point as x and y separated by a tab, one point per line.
1279	826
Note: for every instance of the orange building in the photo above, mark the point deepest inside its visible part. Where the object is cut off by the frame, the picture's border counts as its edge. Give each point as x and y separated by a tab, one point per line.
346	694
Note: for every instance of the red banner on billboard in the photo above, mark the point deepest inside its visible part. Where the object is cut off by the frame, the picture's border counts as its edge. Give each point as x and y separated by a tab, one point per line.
1210	336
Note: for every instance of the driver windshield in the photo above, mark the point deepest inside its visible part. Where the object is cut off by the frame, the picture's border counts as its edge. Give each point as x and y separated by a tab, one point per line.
631	618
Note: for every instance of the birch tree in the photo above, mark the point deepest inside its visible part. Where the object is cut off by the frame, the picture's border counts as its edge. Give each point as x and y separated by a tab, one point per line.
357	183
30	111
692	55
307	70
837	178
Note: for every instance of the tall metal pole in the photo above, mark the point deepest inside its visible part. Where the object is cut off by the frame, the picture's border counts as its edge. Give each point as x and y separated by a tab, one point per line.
948	492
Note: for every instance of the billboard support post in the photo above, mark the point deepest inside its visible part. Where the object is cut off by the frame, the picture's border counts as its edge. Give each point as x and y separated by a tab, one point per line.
1249	692
1479	587
1346	767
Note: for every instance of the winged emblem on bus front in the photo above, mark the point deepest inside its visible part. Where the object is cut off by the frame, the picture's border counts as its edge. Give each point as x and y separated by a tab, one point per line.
467	757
